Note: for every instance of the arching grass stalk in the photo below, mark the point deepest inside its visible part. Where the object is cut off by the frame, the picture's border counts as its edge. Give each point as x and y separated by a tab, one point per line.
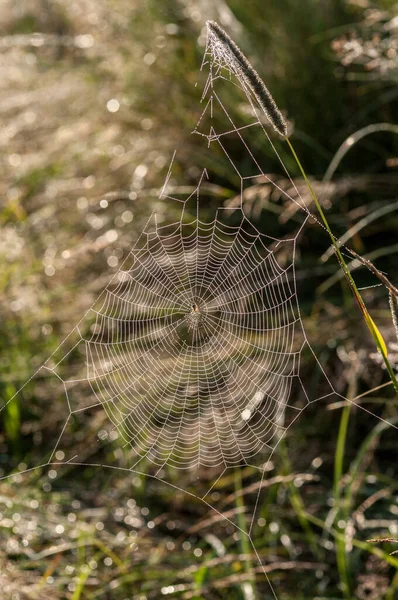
378	338
227	52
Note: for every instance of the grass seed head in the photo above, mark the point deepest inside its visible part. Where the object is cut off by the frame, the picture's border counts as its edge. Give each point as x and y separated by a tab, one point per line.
235	58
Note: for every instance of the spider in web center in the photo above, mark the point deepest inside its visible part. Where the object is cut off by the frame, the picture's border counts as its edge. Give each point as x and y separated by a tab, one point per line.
194	317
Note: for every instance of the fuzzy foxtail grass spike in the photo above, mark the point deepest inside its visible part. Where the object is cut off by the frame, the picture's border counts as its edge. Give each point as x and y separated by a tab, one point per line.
223	47
250	76
394	310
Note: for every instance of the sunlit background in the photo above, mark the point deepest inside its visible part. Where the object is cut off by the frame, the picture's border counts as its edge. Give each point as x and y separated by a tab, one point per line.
95	97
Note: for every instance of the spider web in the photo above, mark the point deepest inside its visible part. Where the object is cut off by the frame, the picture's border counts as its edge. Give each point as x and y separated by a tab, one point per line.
193	350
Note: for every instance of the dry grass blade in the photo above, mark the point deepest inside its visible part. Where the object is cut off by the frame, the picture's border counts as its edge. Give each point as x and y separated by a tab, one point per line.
385	540
367	263
353	139
392	290
253	488
361	224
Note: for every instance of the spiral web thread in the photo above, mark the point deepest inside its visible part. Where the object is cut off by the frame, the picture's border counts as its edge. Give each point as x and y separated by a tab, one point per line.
193	356
193	349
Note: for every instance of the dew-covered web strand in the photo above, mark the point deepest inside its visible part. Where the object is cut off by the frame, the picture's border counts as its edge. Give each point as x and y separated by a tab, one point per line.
70	334
232	337
218	58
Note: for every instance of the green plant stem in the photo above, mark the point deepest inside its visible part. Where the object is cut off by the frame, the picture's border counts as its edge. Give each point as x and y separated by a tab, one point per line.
338	473
372	328
298	504
244	536
339	454
393	587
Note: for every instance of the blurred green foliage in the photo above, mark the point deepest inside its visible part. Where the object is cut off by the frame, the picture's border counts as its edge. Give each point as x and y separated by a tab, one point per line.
69	174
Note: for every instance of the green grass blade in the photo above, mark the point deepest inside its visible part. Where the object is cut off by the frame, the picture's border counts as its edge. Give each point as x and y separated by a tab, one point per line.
244	539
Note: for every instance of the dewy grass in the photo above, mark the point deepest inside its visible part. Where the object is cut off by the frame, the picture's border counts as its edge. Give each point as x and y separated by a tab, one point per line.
231	54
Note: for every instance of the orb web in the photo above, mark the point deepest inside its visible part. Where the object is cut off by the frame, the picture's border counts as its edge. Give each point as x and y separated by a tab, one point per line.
195	347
